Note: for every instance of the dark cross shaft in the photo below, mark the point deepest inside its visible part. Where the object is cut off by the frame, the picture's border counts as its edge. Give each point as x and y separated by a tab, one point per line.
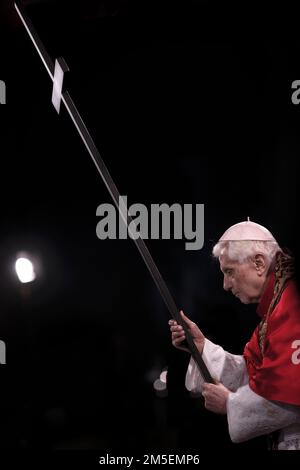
102	169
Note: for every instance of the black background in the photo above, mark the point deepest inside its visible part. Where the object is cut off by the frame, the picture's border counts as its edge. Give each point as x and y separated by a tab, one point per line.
178	116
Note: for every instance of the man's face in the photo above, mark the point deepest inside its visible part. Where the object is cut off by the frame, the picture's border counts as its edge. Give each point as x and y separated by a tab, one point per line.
245	280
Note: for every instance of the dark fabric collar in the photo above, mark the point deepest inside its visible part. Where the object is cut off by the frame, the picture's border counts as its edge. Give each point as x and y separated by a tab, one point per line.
267	295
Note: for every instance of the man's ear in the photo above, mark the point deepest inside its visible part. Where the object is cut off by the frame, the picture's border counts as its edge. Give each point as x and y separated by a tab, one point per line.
260	264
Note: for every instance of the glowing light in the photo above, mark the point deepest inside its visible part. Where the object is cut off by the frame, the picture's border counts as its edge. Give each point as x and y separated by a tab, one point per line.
163	376
25	270
160	384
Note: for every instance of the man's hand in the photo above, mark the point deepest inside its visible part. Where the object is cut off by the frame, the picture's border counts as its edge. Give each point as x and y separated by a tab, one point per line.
215	397
178	335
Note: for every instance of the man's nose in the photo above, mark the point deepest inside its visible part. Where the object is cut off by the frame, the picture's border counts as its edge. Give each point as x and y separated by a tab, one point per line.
227	284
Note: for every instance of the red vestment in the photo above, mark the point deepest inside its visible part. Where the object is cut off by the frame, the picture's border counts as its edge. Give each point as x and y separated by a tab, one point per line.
275	373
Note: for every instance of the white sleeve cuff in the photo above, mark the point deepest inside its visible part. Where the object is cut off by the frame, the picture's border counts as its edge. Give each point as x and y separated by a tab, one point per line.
230	369
250	415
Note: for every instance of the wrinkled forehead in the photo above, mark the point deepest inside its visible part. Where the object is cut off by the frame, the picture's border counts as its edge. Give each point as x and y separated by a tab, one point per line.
227	263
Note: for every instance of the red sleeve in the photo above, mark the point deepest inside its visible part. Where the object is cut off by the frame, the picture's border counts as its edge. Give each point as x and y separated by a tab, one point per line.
276	375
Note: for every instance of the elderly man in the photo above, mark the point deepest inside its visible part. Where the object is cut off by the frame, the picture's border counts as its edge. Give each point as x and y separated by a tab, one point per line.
259	391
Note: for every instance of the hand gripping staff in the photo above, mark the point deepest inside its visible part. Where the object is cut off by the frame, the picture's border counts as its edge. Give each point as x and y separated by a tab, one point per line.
58	95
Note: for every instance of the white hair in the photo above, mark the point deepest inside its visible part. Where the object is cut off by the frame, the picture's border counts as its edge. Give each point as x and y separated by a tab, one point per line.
242	250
